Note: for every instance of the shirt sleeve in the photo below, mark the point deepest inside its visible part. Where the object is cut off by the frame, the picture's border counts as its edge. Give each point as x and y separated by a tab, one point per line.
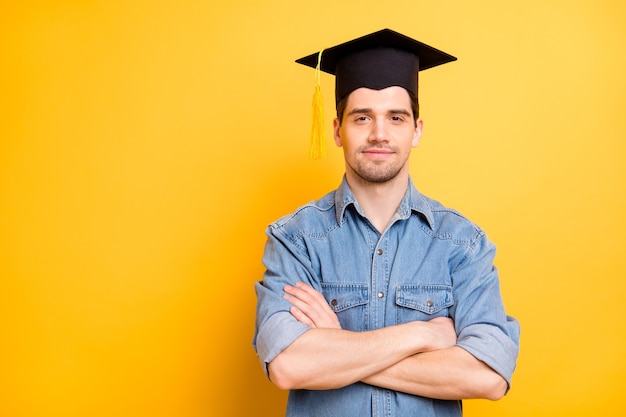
483	327
275	327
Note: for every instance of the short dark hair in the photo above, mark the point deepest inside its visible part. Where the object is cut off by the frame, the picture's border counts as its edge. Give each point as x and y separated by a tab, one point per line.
415	106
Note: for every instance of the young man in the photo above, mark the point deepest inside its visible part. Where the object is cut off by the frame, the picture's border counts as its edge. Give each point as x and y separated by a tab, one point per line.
378	301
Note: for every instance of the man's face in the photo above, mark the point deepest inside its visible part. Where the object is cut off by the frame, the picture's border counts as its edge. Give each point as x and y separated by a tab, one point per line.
377	134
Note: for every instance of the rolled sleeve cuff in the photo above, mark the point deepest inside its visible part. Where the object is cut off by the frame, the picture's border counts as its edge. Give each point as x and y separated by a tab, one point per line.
492	346
278	332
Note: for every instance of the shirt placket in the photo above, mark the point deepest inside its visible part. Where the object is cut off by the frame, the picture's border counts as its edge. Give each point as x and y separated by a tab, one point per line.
381	404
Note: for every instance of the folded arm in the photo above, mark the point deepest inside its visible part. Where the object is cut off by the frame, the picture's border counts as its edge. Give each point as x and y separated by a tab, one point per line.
417	358
446	374
327	357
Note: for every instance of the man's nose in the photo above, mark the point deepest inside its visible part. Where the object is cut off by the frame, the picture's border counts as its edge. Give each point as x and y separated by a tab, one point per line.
378	132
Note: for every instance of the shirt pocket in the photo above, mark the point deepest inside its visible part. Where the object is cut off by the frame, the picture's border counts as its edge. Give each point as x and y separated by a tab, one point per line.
422	302
349	302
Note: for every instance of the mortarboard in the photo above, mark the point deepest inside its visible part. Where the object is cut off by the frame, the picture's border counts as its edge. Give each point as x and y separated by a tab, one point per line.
378	60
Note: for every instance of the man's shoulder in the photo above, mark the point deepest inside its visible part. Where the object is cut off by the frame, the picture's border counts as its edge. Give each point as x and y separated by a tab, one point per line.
450	222
318	212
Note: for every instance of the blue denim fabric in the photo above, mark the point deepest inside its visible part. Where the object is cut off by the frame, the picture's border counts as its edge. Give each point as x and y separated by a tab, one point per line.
430	262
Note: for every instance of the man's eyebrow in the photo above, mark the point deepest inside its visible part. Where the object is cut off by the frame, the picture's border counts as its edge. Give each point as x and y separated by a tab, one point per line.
399	111
357	110
366	110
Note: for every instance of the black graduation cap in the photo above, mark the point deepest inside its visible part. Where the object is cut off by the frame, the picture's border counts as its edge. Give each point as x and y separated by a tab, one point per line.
379	60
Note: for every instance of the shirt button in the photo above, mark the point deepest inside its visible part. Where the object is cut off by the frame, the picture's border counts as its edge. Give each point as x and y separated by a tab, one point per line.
379	251
429	303
381	294
333	302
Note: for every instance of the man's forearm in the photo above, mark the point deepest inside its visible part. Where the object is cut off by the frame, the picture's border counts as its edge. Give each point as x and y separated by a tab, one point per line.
333	358
448	374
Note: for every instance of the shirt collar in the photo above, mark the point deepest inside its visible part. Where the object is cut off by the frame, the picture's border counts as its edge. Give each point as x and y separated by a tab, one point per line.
413	201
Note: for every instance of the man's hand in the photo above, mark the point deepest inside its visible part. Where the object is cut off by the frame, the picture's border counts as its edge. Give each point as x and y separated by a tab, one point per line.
440	333
310	307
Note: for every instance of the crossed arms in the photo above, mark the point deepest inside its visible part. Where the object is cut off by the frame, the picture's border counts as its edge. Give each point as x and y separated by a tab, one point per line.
418	357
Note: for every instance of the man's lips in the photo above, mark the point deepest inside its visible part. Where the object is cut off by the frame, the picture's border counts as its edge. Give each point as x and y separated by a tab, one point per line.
378	152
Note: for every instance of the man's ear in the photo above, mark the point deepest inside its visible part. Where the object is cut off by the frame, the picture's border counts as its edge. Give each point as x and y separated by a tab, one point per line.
337	132
417	135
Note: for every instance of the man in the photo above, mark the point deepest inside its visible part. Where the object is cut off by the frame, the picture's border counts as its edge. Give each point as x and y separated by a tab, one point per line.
378	301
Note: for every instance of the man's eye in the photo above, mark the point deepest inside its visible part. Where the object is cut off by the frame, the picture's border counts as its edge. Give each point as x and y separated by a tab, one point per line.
397	118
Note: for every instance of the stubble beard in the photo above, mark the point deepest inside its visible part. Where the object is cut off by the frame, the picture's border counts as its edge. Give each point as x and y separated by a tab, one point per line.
376	173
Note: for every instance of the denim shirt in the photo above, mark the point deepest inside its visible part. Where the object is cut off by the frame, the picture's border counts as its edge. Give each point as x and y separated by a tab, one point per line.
429	262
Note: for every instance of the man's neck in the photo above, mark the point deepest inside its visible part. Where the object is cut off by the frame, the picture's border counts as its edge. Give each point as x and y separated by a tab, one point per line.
379	201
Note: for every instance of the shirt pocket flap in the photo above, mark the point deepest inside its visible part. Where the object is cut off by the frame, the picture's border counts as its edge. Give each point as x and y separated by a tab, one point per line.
428	299
341	297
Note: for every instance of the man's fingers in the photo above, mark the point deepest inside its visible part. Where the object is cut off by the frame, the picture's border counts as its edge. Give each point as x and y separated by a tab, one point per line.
311	306
301	317
304	305
307	295
304	292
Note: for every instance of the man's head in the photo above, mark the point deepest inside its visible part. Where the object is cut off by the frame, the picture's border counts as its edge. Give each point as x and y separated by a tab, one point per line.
376	61
377	133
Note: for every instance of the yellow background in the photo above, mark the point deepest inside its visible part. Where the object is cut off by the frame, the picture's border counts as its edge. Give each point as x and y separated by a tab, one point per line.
145	145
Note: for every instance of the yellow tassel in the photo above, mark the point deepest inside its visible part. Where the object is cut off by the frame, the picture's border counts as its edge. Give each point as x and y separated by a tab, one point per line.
317	146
